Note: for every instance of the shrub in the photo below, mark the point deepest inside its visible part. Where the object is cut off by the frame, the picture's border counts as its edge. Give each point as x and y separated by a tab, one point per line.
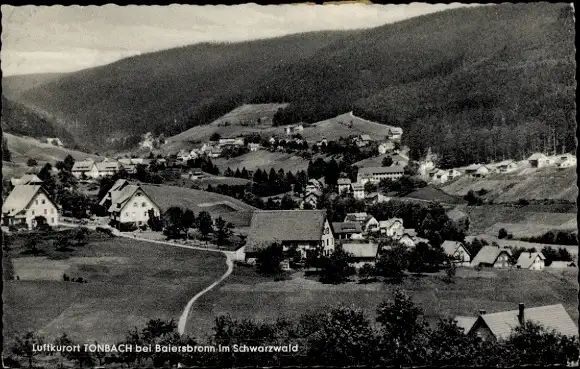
523	202
106	231
502	234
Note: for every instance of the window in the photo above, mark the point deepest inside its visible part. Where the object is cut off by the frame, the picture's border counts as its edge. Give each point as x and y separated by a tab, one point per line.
52	211
135	204
45	211
43	201
52	220
126	214
35	202
143	205
32	212
145	213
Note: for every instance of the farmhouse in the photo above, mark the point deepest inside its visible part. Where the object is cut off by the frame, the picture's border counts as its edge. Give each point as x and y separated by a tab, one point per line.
356	217
27	179
538	160
392	227
395	133
358	190
499	326
477	170
25	203
505	166
492	256
117	186
343	185
361	253
305	229
564	161
377	174
347	230
130	205
55	141
457	252
84	168
386	147
531	260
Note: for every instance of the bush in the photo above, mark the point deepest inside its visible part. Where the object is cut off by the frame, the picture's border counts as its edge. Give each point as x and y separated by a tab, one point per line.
106	231
523	202
502	234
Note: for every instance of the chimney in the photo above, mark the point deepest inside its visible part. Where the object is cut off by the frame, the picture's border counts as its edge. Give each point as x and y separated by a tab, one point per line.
521	313
481	312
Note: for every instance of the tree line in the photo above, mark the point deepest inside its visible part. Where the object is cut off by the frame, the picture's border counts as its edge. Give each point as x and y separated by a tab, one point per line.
338	336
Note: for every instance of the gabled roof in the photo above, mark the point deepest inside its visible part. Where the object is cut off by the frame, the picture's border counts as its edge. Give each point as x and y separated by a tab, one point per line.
552	317
381	170
450	247
465	322
83	165
389	222
107	165
316	193
120	183
410	231
361	250
489	254
355	217
526	259
120	197
504	163
365	137
343	181
346	227
537	155
269	226
26	179
20	197
474	167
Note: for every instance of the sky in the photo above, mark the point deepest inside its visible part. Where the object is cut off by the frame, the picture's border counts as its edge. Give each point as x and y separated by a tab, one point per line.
43	39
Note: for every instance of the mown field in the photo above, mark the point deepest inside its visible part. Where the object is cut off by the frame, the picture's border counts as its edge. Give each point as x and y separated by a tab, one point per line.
245	295
129	282
524	221
529	184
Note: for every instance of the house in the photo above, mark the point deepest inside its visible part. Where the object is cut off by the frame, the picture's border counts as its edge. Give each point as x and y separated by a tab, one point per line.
343	185
347	230
531	260
304	229
130	204
25	203
313	185
27	179
492	256
400	159
499	326
238	141
392	227
377	174
376	198
254	146
385	147
361	253
84	168
195	173
324	141
215	152
148	141
358	190
456	251
465	322
370	224
356	217
409	238
538	160
505	166
117	186
363	140
441	176
294	129
565	161
55	141
313	197
425	166
477	170
107	168
453	173
395	133
239	254
272	140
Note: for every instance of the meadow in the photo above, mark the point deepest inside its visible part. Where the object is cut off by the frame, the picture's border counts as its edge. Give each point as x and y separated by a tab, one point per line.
129	282
247	295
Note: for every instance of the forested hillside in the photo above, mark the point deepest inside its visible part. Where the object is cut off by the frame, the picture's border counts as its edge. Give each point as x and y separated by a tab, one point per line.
474	84
20	120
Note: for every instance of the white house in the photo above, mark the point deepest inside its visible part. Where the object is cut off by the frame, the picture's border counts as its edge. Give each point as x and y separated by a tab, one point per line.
492	256
386	147
84	167
538	160
107	168
395	133
343	185
392	227
358	190
376	174
347	230
531	260
441	176
361	253
370	224
130	204
477	170
565	160
25	203
237	141
376	198
55	141
505	166
456	251
254	146
294	129
313	185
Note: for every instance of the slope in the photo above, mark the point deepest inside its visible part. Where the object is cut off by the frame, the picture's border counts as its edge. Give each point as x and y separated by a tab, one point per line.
14	86
456	80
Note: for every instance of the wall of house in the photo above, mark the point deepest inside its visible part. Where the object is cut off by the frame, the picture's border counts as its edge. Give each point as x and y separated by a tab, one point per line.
538	264
502	261
371	225
395	230
327	239
407	241
42	206
483	332
137	209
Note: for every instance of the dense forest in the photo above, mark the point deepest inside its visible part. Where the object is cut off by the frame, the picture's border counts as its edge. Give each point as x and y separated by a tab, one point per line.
475	84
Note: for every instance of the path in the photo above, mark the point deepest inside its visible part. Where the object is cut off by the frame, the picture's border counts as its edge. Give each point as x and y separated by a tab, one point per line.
229	263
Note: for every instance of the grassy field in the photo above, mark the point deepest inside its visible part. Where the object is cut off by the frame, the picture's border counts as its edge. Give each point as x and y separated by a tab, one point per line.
530	184
232	210
245	295
218	180
129	282
520	221
262	159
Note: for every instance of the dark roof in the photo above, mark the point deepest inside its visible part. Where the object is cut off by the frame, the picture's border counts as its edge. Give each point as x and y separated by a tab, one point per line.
381	170
488	255
269	226
346	227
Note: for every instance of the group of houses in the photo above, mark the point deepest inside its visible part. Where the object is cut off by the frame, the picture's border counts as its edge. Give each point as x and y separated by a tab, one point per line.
92	169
